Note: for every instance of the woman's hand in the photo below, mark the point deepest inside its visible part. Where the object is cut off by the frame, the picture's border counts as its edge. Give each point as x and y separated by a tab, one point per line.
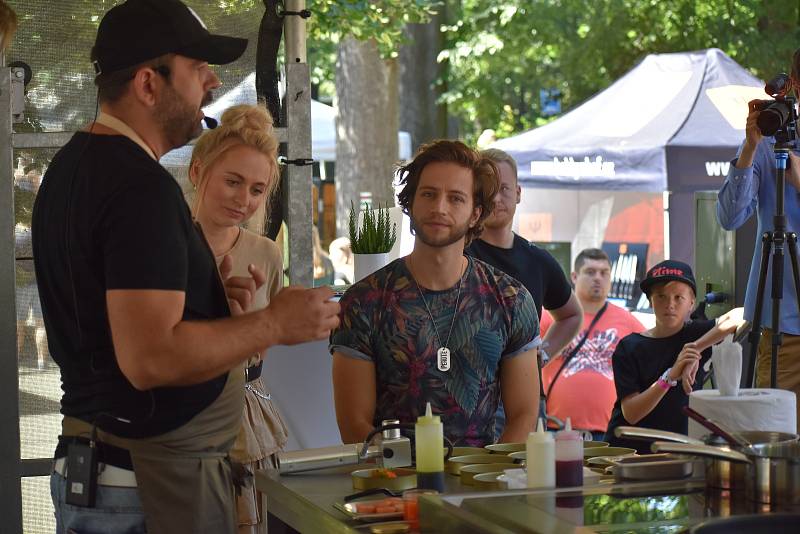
240	290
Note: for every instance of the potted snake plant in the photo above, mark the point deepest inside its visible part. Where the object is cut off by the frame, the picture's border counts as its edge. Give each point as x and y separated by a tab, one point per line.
372	240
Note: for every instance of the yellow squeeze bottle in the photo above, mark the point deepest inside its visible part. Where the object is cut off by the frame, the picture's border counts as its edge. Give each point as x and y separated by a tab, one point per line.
429	437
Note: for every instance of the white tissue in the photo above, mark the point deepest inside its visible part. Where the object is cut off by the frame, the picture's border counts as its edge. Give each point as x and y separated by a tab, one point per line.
726	357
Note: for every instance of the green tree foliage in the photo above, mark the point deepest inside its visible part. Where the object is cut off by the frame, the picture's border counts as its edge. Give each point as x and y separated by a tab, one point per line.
500	54
382	20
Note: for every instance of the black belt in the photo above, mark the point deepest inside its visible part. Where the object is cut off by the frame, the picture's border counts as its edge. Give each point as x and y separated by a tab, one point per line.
106	453
253	372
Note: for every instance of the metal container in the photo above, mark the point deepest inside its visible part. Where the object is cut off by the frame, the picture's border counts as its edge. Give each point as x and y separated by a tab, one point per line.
489	482
454	464
720	473
651	467
607	451
468	472
365	479
505	448
772	469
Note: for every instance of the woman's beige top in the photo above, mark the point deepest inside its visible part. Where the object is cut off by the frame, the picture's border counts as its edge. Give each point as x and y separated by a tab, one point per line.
263	431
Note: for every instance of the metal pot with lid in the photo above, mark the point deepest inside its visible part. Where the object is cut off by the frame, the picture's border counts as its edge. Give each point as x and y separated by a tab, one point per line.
772	473
721	473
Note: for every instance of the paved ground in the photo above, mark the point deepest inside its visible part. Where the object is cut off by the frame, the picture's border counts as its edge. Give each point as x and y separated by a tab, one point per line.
40	423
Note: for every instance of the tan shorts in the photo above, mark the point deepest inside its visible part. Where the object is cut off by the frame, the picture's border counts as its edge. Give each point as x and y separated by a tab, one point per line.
788	364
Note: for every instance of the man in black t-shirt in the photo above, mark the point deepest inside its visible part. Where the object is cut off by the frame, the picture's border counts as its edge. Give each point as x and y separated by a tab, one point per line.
538	271
150	342
649	366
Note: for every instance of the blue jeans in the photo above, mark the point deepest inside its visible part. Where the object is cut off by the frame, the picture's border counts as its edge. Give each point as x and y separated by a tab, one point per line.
116	511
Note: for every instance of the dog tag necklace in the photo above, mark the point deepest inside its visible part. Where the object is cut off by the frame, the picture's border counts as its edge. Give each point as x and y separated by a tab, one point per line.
443	354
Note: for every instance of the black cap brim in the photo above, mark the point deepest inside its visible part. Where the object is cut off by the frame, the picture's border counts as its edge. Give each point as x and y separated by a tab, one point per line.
216	49
647	284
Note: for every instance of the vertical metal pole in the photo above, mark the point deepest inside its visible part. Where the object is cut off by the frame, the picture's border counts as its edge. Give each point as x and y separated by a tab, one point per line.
10	484
295	32
298	124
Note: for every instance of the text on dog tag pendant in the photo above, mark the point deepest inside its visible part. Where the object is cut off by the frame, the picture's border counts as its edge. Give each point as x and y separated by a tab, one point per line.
443	359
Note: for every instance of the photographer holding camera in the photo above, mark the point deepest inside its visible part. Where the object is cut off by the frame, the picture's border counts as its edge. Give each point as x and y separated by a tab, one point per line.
751	187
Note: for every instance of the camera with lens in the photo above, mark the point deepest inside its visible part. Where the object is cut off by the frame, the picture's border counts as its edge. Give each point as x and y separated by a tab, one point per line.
778	117
775	115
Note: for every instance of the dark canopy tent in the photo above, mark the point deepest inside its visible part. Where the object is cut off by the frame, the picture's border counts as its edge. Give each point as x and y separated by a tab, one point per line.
672	123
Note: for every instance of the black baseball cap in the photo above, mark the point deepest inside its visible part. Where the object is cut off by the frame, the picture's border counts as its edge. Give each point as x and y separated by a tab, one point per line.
668	271
138	30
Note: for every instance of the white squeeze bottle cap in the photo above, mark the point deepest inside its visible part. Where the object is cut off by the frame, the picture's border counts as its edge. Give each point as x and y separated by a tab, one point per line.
568	433
540	458
541	435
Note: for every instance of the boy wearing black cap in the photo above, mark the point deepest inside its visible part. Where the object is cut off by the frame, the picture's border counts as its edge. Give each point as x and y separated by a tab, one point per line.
649	365
137	315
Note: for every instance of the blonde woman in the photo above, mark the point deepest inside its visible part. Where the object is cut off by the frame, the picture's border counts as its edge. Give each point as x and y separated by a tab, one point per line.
234	171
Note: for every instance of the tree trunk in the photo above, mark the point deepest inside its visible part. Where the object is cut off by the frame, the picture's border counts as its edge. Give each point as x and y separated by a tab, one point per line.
420	115
366	127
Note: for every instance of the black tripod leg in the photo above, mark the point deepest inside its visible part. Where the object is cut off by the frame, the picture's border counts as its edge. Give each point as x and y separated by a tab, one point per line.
778	254
755	332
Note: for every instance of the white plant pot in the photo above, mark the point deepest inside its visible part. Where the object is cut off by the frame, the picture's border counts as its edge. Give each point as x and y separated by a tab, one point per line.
366	264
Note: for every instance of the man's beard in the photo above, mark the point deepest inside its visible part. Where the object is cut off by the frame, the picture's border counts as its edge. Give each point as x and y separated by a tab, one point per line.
456	233
177	118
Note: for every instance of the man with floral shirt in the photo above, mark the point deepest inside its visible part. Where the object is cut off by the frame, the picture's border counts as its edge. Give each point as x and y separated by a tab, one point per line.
437	326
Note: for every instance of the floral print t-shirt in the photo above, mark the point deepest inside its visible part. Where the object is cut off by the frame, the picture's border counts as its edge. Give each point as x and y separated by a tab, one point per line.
384	320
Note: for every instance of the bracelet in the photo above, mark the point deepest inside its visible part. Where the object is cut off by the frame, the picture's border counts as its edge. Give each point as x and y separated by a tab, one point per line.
665	382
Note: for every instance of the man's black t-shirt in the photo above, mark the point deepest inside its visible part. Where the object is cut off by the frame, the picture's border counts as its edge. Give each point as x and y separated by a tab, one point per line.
538	271
129	228
639	361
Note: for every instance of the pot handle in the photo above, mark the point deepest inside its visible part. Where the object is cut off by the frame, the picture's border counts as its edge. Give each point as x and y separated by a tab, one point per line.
651	434
700	450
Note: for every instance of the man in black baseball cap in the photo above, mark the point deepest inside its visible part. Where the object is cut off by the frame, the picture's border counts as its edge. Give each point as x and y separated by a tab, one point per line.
142	39
138	318
139	30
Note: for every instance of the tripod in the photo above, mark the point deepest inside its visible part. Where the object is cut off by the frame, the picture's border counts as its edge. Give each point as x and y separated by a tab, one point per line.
774	242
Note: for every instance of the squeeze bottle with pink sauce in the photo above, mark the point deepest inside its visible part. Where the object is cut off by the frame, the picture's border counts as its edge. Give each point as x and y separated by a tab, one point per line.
569	457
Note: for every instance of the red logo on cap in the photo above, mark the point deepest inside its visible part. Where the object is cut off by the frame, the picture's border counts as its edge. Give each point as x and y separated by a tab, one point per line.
666	271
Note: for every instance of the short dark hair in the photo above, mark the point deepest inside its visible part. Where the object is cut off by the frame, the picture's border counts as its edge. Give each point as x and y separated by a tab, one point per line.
111	86
485	177
590	254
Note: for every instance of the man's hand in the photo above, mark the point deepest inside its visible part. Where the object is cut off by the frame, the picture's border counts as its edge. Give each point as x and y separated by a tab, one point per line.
240	290
301	314
753	134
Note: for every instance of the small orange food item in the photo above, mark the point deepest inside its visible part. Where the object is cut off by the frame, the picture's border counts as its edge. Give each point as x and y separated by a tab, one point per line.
365	508
383	473
385	509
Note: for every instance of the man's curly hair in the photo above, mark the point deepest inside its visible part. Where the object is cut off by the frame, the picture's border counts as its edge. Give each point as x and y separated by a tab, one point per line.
485	184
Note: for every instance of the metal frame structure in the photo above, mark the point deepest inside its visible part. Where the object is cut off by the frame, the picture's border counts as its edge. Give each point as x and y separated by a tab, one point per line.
297	135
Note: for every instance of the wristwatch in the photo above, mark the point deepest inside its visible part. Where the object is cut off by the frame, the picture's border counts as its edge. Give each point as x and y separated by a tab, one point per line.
665	382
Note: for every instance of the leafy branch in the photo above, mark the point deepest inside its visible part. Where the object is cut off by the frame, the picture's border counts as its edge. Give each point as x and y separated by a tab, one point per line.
375	235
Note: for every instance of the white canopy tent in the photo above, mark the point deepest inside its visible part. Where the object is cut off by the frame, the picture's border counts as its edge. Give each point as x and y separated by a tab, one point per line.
323	126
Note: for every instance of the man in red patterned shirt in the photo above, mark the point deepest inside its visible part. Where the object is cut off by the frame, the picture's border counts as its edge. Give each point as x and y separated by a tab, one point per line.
579	382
